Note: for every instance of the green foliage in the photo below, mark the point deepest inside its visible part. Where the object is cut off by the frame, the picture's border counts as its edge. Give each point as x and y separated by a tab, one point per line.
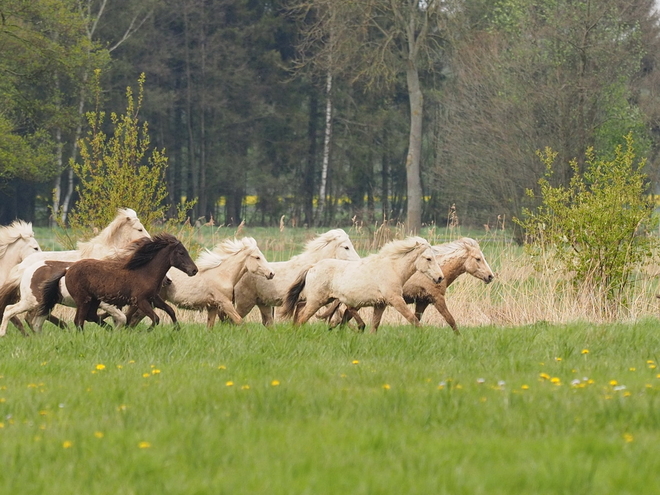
596	227
116	170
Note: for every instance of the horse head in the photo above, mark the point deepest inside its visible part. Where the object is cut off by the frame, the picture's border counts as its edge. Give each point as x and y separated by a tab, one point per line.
475	263
342	245
427	264
18	237
256	261
180	258
130	228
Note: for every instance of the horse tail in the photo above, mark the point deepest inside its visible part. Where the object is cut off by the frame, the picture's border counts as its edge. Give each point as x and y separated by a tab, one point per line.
50	293
293	294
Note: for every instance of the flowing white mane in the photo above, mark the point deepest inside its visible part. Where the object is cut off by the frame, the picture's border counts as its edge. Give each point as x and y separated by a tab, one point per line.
106	236
14	231
210	259
321	241
400	248
455	249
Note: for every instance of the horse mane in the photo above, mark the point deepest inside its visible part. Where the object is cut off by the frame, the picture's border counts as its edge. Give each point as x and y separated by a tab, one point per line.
144	249
321	241
210	259
400	248
13	232
107	234
455	249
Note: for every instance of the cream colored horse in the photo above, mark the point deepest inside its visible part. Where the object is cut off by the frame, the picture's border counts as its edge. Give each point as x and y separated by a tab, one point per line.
376	280
455	258
17	242
253	290
219	271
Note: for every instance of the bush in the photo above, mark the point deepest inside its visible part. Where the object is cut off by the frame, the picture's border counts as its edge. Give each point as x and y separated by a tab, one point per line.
598	226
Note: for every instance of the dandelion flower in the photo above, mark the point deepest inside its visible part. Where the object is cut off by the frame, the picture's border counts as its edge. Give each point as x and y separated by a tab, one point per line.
144	445
67	444
100	367
355	361
627	437
585	351
386	386
632	369
275	383
99	434
555	380
222	367
146	375
614	383
155	371
545	376
229	384
525	387
245	387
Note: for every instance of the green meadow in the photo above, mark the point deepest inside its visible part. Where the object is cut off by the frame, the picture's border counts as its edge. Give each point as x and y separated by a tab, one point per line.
542	408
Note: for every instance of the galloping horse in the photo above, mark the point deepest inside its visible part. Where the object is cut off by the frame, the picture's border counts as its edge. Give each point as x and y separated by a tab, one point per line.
265	293
17	242
376	280
219	271
133	280
125	228
455	258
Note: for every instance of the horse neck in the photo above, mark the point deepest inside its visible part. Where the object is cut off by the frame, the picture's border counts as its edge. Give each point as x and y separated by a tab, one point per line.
10	259
452	268
308	258
158	266
405	266
234	267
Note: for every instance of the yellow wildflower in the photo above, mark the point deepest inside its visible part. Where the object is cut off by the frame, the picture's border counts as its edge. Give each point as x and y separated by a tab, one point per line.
67	444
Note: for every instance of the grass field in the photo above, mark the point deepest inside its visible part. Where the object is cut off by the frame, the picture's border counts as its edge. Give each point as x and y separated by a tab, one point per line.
545	392
531	409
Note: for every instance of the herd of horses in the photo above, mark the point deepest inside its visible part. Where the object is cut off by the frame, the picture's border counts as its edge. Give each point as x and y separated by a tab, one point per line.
126	273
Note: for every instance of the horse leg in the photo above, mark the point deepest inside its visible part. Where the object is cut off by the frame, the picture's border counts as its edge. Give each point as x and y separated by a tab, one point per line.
420	307
307	311
228	309
145	306
441	306
12	311
353	313
118	317
379	309
400	305
266	314
329	313
93	316
161	304
19	324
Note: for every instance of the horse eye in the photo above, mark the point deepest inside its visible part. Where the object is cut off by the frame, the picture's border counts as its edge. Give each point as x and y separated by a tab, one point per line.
478	260
346	248
257	257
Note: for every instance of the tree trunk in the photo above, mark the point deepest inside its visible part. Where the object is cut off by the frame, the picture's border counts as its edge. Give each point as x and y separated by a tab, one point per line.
413	168
326	149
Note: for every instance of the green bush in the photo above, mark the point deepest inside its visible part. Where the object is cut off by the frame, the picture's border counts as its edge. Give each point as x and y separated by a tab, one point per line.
598	226
119	170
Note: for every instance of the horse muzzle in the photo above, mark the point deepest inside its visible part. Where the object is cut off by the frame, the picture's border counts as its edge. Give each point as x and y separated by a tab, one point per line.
270	275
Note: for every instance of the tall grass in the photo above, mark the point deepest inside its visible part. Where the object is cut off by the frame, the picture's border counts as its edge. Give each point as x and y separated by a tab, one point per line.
521	294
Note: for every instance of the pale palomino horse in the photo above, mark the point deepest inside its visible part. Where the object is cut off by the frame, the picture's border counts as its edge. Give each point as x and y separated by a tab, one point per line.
376	280
455	258
125	228
254	290
17	242
212	289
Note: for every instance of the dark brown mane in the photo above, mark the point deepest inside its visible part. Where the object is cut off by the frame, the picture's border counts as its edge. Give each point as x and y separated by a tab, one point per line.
146	249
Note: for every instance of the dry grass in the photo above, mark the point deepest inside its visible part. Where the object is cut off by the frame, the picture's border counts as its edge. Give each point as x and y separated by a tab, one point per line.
519	295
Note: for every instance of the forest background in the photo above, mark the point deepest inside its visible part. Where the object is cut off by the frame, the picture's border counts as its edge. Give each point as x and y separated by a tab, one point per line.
329	112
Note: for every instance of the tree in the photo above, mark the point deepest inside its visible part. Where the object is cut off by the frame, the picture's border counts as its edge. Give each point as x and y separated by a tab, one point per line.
376	42
116	171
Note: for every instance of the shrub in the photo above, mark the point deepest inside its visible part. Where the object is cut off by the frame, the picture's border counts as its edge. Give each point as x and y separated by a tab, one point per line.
598	226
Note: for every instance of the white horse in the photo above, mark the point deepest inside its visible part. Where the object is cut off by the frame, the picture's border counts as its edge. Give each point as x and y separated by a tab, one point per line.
17	242
376	280
219	271
253	290
455	258
21	294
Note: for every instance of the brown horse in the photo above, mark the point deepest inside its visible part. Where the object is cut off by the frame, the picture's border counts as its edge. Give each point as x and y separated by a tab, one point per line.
455	258
133	280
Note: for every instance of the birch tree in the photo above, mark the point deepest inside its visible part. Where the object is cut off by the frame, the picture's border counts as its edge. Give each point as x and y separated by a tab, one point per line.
375	42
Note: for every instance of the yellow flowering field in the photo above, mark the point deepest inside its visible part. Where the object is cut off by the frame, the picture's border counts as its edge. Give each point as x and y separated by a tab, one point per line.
542	408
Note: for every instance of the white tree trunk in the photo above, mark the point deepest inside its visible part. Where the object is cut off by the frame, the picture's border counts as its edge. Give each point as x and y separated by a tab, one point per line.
326	149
